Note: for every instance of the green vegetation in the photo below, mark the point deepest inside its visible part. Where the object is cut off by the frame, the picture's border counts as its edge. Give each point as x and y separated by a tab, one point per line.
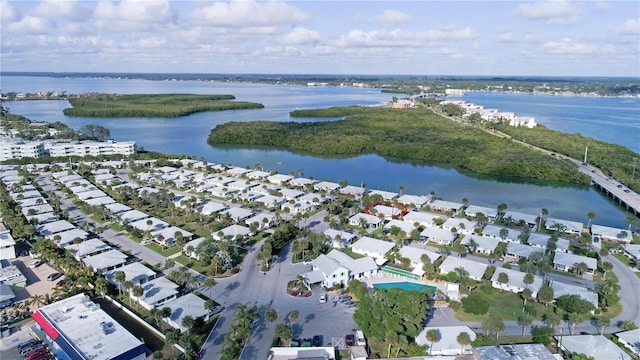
161	105
615	160
417	135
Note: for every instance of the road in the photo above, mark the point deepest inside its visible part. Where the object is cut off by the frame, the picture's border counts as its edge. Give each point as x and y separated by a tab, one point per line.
253	287
629	291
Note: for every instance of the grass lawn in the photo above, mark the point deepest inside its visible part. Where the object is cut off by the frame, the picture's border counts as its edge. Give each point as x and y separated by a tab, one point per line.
614	311
192	264
623	259
166	252
506	305
353	255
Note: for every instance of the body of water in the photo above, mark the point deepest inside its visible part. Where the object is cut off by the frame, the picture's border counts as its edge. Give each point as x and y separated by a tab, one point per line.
188	136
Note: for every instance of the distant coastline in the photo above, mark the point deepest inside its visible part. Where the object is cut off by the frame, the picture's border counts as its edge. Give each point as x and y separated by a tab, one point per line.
626	87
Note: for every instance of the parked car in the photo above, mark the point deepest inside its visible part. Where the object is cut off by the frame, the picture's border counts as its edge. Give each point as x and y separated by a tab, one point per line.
344	298
37	353
216	310
349	339
430	311
35	263
360	340
308	262
323	298
31	348
349	303
317	341
61	283
54	276
27	344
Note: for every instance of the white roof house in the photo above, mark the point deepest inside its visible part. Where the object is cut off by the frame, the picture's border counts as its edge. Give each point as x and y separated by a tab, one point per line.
597	346
194	244
339	239
473	210
403	225
370	220
513	352
462	225
356	191
37	209
290	194
117	208
169	235
445	206
476	270
7	245
297	207
542	240
358	268
42	218
257	174
437	235
301	182
131	216
157	292
372	247
483	245
331	272
54	227
519	250
630	339
105	261
103	200
31	201
265	220
386	195
237	171
448	344
237	214
566	226
387	211
494	231
422	218
234	231
82	188
67	237
86	195
516	282
414	254
151	224
531	220
632	251
135	272
566	262
416	200
187	305
326	186
611	234
279	178
87	248
562	288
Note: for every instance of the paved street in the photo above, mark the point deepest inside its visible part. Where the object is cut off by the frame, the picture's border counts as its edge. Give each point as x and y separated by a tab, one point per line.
252	287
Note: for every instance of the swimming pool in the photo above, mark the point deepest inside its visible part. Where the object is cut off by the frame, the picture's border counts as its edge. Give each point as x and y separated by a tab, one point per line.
405	285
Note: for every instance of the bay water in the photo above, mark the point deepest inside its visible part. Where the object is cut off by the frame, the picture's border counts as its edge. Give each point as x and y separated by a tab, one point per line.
187	135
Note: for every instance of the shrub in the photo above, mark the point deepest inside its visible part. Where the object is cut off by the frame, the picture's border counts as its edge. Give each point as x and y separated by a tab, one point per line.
476	303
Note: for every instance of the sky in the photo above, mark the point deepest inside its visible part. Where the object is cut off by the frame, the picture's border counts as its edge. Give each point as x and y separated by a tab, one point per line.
518	38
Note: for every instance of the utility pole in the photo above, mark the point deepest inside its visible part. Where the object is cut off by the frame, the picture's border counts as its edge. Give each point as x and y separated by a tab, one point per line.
585	154
634	168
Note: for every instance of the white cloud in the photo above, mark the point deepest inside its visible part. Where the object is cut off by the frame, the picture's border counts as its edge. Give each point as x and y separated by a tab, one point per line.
631	27
508	37
152	42
247	13
299	36
133	14
556	12
7	12
31	25
57	10
400	38
392	17
278	51
322	50
569	46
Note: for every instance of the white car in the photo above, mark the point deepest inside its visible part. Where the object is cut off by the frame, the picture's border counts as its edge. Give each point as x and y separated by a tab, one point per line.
35	264
307	262
323	298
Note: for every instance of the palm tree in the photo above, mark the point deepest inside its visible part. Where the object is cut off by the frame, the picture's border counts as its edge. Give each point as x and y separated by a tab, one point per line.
271	315
463	339
433	336
590	215
209	282
580	268
120	277
503	278
128	285
137	291
187	321
543	212
293	316
606	266
524	320
36	300
284	332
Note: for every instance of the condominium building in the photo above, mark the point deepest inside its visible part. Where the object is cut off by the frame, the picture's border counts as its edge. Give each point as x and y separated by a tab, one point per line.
95	148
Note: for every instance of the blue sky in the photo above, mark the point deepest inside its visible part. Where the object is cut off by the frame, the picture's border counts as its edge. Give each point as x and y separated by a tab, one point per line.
550	38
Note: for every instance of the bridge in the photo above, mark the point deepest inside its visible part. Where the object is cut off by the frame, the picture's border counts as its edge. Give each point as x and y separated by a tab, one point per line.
620	193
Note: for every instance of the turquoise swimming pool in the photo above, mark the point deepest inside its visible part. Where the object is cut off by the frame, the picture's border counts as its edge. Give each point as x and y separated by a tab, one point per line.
405	285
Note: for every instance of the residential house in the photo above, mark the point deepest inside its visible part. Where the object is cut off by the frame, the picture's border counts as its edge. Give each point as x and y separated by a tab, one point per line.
54	227
517	217
515	283
326	186
188	305
438	235
105	261
630	339
596	346
414	254
423	218
135	272
481	244
375	248
369	221
541	241
87	248
567	262
151	224
130	216
264	220
302	182
237	214
502	233
11	275
212	207
448	344
297	207
62	239
418	201
337	269
607	233
445	206
519	250
475	269
233	231
167	236
7	245
565	226
632	251
513	352
404	226
355	191
563	288
339	239
386	195
462	225
156	293
193	244
279	179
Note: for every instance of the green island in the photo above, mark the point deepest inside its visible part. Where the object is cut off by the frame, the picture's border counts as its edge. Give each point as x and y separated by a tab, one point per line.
152	105
416	135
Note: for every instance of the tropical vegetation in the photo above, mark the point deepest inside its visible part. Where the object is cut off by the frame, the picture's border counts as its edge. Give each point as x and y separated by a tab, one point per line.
152	105
416	135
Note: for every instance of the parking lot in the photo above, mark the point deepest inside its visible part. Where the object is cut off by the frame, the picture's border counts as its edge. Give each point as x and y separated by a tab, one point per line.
37	283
